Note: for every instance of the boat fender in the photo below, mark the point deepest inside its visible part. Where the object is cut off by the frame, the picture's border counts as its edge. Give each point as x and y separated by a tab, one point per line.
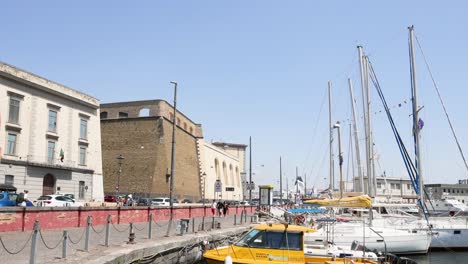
228	260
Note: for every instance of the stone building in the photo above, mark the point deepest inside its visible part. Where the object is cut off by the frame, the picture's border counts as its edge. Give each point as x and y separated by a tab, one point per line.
50	138
141	132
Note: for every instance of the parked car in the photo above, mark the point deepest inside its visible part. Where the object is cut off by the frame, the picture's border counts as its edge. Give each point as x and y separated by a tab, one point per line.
110	198
205	201
8	198
57	200
144	202
163	201
69	195
186	200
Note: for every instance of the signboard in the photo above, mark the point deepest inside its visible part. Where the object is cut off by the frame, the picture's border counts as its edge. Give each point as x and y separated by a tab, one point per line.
229	189
266	194
218	186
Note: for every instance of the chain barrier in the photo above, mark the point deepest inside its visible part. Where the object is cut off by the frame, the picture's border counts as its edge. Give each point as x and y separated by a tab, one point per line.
98	232
81	237
138	229
22	248
160	225
121	231
47	246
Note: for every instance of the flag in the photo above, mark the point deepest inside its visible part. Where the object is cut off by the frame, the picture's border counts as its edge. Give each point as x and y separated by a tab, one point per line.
62	155
420	123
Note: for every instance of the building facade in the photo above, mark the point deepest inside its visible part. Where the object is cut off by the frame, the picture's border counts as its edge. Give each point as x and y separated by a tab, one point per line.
141	132
50	138
222	164
448	191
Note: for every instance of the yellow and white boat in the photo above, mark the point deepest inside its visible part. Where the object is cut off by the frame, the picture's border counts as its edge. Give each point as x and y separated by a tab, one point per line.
279	243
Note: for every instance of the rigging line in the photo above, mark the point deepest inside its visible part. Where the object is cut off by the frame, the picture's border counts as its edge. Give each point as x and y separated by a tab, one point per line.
314	133
442	102
411	169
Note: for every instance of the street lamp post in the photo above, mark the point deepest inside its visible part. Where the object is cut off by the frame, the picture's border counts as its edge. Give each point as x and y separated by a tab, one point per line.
171	190
120	159
340	157
204	184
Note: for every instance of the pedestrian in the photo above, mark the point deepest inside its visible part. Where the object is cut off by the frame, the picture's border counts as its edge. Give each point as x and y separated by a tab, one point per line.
22	198
220	207
225	208
213	207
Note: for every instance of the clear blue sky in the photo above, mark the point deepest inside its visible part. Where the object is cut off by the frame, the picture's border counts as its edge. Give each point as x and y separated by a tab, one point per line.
257	68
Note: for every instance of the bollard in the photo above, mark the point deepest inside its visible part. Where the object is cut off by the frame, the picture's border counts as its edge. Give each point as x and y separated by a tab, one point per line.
245	216
88	225
131	235
65	244
32	256
241	217
150	226
213	223
235	219
108	223
203	224
193	225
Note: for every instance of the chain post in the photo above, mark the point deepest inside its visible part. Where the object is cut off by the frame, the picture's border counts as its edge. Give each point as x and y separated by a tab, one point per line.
131	235
65	244
32	256
235	219
241	217
150	226
245	216
88	226
203	223
108	223
213	223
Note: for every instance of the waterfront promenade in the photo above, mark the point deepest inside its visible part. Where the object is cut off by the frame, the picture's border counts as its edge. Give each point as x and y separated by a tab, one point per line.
16	247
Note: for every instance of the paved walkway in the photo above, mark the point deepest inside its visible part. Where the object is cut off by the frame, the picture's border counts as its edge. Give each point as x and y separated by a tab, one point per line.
50	245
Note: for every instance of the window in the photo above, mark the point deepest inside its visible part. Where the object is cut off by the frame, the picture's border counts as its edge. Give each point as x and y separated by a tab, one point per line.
83	128
379	185
456	232
398	186
191	130
82	155
185	126
12	140
392	186
144	112
50	151
52	121
13	116
178	121
103	115
9	179
272	239
408	186
123	114
81	188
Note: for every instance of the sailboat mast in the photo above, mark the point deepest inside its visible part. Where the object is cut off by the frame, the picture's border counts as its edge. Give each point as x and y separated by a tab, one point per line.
416	127
364	114
330	128
371	167
356	138
281	183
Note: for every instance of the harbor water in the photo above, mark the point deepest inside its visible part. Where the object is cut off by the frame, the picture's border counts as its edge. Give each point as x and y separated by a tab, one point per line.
442	257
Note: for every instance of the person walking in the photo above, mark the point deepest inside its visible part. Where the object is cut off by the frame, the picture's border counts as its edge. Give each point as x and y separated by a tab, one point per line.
220	208
225	208
214	205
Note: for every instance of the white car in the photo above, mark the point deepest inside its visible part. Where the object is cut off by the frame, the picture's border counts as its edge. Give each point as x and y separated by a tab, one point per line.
163	201
56	200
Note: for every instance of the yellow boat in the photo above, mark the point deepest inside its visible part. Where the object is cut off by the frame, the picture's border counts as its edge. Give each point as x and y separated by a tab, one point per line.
276	243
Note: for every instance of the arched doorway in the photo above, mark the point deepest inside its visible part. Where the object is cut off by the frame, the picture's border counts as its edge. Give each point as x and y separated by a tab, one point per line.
48	184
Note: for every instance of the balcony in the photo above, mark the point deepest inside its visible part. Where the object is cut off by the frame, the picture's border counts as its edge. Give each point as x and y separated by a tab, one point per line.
43	161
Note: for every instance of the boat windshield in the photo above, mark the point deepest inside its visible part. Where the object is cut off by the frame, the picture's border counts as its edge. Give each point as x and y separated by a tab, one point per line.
271	239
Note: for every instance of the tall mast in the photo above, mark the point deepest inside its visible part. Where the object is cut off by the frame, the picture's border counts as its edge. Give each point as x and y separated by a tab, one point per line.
372	180
250	169
330	128
281	184
297	186
364	114
305	185
356	138
416	127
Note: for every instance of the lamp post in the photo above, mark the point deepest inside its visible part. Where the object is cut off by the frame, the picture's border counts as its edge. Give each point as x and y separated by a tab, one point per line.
204	184
120	159
171	190
340	157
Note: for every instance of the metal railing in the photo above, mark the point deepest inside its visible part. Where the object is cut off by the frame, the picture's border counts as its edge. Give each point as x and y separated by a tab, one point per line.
111	231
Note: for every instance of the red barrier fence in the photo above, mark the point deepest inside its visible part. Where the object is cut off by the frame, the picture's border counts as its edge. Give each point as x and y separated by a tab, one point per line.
22	218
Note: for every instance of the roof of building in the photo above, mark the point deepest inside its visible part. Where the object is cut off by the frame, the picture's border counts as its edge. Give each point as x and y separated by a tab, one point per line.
11	72
232	145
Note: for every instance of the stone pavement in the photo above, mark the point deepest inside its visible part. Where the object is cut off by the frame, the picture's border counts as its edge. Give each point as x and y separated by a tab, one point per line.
49	242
